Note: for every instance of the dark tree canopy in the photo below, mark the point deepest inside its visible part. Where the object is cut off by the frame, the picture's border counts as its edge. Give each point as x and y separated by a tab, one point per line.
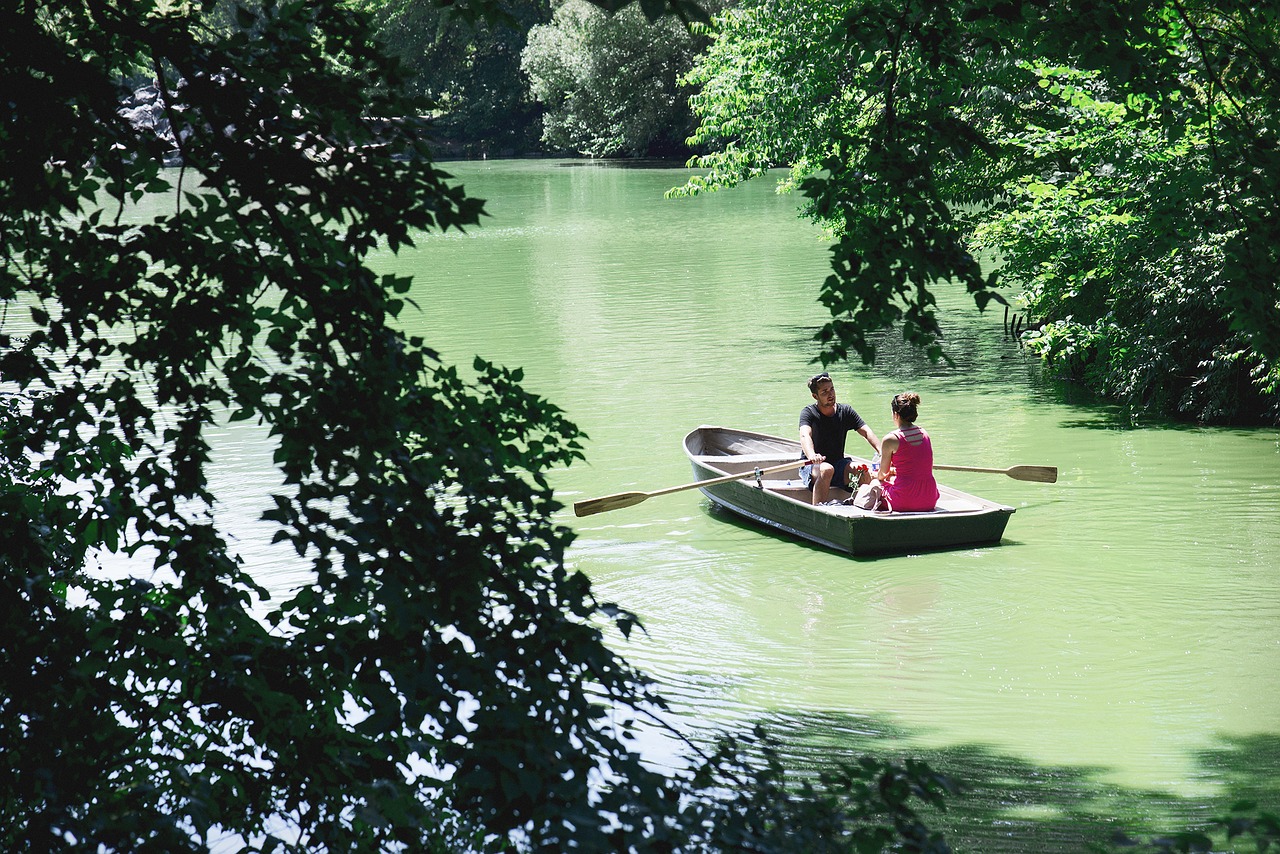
441	627
469	69
441	682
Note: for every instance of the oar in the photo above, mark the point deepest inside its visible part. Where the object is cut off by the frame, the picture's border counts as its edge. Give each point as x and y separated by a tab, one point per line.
630	499
1036	474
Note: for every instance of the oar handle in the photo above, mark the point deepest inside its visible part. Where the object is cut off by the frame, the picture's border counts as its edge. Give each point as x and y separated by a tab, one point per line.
727	478
630	499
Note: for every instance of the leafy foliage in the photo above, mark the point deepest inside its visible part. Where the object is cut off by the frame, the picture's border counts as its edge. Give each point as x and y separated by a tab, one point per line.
609	82
1244	821
866	806
440	682
441	628
469	69
862	100
1121	244
604	72
1115	155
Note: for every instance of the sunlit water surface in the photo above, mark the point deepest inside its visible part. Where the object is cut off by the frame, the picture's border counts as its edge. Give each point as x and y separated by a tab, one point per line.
1128	622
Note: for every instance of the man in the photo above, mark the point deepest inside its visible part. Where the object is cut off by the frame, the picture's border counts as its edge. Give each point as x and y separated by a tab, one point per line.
823	427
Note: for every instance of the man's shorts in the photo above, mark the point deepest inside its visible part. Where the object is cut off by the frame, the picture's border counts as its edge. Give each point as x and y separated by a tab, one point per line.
840	478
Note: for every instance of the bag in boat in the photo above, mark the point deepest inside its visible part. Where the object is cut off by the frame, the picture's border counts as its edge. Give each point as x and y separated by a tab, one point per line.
870	496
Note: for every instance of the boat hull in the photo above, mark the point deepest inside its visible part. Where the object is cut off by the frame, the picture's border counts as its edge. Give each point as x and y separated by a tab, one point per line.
961	520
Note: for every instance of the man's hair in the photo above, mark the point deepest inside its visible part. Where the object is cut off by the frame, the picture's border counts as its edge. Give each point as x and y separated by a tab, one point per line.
817	378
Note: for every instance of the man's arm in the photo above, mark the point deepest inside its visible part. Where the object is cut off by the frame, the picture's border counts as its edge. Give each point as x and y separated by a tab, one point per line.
866	432
806	445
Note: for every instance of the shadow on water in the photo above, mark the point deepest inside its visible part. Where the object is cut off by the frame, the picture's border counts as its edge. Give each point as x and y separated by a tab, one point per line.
728	517
1007	805
638	163
983	357
1110	416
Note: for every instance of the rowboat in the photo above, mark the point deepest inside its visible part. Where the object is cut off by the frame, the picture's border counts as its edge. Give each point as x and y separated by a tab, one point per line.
781	501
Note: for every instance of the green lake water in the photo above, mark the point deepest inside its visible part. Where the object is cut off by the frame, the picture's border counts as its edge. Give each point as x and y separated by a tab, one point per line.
1124	636
1127	627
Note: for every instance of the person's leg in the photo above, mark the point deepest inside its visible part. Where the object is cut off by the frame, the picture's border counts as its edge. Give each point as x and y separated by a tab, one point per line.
840	479
822	474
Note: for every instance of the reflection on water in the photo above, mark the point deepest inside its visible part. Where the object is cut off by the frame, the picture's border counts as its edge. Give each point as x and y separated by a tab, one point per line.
1128	624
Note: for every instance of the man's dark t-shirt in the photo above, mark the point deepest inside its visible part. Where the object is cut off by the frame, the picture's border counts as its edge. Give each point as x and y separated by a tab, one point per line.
829	432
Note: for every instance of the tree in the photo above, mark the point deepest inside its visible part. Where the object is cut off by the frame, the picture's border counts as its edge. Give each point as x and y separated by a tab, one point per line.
469	69
1123	258
441	682
441	628
610	82
910	126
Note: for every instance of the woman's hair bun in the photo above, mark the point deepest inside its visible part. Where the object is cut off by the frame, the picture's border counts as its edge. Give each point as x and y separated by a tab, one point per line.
905	404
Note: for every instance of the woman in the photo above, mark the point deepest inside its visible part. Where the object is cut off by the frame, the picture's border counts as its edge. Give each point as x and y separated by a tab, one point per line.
906	460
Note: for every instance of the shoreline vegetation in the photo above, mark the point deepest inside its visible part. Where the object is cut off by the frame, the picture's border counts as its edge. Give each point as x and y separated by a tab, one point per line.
439	679
1128	208
1128	189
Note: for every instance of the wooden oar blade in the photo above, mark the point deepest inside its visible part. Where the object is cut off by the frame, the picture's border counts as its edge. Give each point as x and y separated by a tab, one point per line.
1036	474
608	502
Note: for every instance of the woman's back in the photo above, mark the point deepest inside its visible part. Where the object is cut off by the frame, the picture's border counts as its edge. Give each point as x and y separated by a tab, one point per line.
912	486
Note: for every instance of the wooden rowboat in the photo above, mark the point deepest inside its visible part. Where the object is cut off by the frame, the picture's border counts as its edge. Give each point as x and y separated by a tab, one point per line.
781	501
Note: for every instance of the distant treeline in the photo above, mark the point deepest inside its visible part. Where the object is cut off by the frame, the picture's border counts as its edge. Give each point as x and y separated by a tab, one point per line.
552	78
1123	167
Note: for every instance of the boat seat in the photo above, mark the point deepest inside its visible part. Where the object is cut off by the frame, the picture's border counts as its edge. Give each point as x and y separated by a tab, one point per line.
779	459
947	504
